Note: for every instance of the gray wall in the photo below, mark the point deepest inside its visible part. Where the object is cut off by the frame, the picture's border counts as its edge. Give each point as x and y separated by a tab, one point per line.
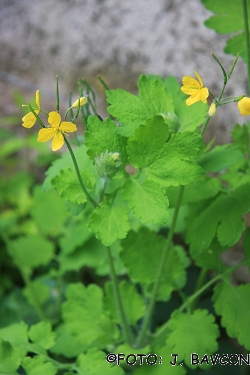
118	40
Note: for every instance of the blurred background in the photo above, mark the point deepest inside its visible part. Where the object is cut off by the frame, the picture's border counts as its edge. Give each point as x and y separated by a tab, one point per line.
118	40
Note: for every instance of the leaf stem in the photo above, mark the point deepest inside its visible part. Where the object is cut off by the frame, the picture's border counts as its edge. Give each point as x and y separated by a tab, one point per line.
141	338
200	282
205	125
123	319
94	203
246	26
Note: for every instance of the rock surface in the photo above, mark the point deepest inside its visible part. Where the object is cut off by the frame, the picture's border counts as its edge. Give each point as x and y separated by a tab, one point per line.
117	40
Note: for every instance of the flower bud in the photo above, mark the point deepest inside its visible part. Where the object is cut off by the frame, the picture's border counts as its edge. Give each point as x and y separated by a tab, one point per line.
83	101
173	122
212	110
244	106
108	164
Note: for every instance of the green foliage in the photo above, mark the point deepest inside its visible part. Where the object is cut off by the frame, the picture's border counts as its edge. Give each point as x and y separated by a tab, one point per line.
185	337
229	19
112	254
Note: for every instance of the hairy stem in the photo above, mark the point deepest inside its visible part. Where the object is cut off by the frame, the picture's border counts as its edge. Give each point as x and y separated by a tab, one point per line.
123	319
146	322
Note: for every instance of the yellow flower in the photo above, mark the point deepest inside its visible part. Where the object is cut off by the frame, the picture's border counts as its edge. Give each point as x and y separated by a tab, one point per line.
244	106
212	110
30	119
83	101
195	89
56	131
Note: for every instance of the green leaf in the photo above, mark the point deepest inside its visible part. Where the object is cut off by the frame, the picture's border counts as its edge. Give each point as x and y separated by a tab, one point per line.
148	245
147	200
190	117
41	334
40	290
76	233
31	251
49	212
132	302
38	366
218	219
241	137
221	157
94	363
66	344
192	333
101	136
228	20
10	359
211	258
170	163
204	188
65	162
233	304
132	111
17	336
109	223
68	186
86	318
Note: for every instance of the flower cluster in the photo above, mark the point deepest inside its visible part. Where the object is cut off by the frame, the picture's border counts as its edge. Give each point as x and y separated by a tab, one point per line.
197	91
56	129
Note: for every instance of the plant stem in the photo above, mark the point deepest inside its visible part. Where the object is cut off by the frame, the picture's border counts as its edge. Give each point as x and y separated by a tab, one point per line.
200	282
246	26
79	175
205	125
29	286
123	318
145	325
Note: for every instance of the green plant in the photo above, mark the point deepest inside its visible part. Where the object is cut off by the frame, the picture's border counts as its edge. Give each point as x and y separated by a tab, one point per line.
125	264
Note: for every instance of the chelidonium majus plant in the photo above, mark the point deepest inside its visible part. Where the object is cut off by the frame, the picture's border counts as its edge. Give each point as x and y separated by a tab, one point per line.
136	183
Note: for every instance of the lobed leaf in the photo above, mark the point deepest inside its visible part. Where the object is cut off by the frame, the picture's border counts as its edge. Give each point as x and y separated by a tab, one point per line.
133	303
192	333
132	111
85	316
166	163
109	223
218	220
233	304
147	200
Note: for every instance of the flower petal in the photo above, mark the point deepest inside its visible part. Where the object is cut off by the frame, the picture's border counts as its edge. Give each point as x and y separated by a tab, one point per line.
57	141
46	134
244	106
199	79
29	120
38	100
190	82
68	127
54	119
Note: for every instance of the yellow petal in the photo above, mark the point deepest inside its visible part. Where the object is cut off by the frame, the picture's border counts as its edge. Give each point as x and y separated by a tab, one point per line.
54	119
83	101
244	106
57	141
29	120
190	82
46	134
199	79
68	127
38	100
